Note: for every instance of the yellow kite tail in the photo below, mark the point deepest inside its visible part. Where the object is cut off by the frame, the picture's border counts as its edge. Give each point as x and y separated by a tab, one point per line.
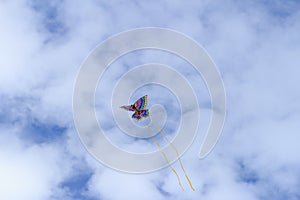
165	157
173	146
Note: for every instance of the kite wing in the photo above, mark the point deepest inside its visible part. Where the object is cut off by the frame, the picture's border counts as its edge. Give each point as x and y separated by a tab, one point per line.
136	116
139	115
141	103
144	113
128	108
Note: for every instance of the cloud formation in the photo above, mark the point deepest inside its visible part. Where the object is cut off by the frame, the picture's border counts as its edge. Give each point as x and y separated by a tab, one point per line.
254	44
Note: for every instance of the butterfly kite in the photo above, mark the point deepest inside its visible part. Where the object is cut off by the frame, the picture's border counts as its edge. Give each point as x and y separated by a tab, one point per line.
140	112
139	108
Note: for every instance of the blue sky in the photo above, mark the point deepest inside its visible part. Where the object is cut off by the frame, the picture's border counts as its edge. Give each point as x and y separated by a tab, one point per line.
255	45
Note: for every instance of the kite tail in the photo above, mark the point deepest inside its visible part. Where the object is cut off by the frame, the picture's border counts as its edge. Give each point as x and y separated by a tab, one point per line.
173	146
165	157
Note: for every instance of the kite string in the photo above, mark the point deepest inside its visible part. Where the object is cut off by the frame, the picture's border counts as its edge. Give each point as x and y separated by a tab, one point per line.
164	155
173	146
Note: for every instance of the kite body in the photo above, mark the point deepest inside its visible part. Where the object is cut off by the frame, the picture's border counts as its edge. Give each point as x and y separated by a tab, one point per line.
139	108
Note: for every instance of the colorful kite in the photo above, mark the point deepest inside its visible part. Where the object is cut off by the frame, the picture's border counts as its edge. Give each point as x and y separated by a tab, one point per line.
140	112
139	108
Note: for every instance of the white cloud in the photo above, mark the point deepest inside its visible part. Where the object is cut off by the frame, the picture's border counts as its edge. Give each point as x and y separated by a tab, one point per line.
114	185
29	172
256	47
